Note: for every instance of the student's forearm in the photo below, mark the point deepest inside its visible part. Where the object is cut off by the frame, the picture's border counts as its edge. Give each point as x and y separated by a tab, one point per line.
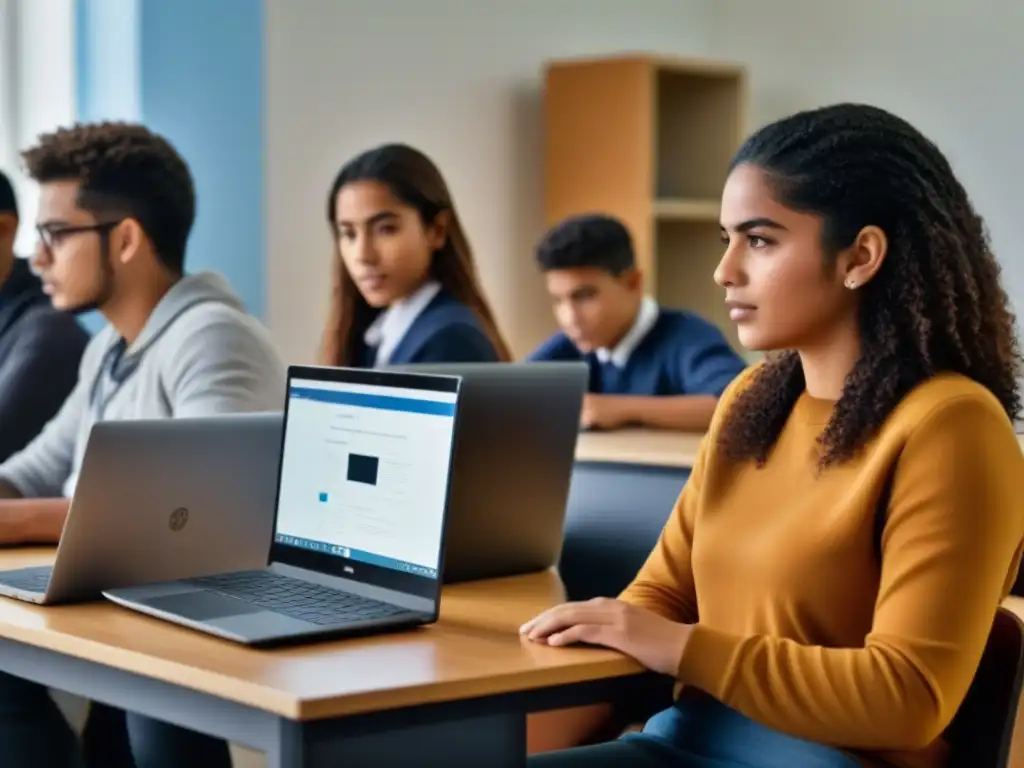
691	413
31	521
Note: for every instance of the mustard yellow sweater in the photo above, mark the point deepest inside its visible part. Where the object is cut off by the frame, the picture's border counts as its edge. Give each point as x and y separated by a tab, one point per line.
797	625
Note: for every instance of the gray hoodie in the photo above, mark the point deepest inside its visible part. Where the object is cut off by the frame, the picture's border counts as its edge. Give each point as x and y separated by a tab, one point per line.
199	354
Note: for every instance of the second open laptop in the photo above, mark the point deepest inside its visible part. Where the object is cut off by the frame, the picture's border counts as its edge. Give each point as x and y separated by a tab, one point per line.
161	499
514	456
359	535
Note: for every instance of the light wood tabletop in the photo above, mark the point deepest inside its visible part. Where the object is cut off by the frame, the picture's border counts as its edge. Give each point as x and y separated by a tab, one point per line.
474	650
651	447
660	448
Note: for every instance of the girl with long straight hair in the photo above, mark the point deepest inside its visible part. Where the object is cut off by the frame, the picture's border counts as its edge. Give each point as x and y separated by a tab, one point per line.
405	285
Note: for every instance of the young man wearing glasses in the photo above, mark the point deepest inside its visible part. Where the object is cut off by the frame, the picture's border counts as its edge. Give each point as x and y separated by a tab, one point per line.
40	348
117	204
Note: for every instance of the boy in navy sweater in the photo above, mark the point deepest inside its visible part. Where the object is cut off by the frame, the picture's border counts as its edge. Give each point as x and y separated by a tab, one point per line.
648	365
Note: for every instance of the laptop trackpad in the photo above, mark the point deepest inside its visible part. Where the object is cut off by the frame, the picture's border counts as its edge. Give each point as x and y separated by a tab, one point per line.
202	606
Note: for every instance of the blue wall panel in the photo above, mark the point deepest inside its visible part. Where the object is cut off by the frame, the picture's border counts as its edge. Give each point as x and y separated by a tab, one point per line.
192	70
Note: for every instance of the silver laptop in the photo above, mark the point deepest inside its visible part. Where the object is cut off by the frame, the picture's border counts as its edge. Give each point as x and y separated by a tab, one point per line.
514	454
361	507
160	499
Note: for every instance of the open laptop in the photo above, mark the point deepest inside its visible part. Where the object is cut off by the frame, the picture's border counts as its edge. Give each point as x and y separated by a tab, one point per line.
361	505
161	499
514	455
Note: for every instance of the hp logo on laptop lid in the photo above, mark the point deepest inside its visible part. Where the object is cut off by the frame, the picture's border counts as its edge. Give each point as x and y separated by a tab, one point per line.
178	519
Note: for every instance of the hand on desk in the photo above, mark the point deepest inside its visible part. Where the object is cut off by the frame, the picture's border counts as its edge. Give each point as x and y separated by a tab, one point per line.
603	412
654	641
31	521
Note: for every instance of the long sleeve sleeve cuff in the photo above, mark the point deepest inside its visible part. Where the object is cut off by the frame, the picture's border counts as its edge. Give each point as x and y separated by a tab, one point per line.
708	661
25	485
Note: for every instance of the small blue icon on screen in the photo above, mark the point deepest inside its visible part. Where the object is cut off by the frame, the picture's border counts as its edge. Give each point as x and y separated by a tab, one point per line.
323	498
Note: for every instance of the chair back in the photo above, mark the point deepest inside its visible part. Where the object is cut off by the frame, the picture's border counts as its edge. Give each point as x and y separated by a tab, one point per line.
981	732
614	516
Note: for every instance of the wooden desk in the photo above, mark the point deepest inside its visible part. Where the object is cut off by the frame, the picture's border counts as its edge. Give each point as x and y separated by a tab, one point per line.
646	447
454	693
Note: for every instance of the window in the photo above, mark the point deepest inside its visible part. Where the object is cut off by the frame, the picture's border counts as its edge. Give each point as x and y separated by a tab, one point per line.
8	80
37	83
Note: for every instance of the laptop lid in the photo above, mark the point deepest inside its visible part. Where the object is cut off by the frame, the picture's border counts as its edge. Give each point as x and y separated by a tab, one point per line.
365	474
514	457
157	499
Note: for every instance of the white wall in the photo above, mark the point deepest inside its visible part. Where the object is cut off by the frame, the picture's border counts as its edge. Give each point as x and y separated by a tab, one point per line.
460	79
951	67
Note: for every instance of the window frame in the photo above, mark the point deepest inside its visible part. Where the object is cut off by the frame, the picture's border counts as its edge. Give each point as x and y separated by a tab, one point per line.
9	70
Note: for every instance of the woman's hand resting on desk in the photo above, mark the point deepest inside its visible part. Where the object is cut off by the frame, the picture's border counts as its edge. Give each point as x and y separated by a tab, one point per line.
655	642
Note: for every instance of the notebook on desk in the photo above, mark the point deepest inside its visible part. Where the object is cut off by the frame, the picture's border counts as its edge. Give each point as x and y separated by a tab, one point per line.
361	505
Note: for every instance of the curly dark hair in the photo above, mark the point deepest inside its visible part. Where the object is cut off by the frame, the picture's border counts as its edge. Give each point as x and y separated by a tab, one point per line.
124	170
587	240
936	304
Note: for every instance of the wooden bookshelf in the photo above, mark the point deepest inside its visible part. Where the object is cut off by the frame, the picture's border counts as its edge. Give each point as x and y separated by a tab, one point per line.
648	139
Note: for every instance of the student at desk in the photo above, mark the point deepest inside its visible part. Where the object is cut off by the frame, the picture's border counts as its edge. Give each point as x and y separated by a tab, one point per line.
405	288
40	347
825	586
116	208
648	365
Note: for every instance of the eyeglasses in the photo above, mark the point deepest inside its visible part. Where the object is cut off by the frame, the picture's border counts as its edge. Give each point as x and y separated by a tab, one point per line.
51	237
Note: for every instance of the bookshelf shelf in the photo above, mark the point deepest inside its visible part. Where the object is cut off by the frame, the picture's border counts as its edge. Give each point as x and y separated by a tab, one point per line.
648	139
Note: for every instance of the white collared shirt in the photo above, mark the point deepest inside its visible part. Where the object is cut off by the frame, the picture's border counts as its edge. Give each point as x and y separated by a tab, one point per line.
391	325
646	317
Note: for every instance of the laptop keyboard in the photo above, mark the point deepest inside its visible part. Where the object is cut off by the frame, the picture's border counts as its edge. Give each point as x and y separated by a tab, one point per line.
296	598
27	579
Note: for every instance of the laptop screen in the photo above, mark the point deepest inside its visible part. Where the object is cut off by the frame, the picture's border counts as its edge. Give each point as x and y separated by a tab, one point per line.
364	477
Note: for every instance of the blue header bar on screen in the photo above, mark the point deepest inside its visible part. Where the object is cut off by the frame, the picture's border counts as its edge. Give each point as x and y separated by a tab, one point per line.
382	402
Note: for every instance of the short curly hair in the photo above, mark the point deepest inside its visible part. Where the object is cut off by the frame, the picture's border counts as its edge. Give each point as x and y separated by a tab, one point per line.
124	169
935	305
588	240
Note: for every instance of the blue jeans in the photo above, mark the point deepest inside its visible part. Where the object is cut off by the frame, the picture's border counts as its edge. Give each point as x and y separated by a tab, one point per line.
34	734
699	732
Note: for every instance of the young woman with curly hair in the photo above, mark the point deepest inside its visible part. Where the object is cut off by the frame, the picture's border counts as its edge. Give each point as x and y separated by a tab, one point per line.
825	585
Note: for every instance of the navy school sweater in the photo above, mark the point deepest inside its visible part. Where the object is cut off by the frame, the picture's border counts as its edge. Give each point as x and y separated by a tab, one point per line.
446	331
682	354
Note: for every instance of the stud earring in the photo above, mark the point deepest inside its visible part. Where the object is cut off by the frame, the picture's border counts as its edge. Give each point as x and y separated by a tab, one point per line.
850	284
